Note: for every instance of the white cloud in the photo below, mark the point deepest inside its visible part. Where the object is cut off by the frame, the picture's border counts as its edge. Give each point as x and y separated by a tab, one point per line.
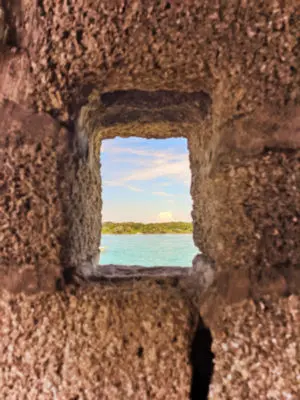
165	216
177	169
144	164
163	194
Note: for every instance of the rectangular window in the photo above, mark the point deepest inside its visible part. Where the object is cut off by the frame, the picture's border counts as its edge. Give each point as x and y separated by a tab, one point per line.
146	214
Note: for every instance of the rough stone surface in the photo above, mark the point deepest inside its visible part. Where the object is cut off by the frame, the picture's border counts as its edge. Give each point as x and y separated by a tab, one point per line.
258	351
233	69
245	53
32	222
246	211
56	53
82	210
169	45
130	341
15	79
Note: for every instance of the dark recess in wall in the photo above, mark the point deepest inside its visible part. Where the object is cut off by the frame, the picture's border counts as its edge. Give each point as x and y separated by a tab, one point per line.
147	107
201	358
156	99
11	15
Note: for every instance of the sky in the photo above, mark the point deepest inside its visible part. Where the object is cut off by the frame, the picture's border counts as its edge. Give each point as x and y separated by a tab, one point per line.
145	180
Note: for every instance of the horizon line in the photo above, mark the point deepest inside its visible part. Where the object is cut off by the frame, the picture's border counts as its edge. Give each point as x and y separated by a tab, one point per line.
145	223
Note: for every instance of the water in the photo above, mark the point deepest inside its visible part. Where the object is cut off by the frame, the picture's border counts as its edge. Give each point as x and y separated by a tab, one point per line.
148	250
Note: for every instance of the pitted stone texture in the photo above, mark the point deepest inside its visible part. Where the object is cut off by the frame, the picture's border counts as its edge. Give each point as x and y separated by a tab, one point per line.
158	114
246	215
257	351
129	341
83	203
269	127
32	223
15	78
273	206
246	49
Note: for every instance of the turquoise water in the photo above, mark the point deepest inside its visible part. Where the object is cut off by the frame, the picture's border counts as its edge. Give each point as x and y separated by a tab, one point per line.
148	250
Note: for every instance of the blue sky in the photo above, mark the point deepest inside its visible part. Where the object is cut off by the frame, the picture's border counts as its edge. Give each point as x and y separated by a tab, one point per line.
145	180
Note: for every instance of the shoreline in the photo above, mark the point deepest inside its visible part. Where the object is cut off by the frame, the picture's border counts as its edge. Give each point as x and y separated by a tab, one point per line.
140	234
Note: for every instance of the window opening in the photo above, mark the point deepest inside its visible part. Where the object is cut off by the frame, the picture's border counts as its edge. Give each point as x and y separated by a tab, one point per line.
146	211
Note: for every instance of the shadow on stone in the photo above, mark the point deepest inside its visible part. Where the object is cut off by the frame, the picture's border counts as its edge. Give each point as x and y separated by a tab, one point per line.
202	362
156	99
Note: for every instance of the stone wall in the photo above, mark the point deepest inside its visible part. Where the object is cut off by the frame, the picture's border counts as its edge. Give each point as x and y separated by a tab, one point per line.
247	217
97	342
246	53
257	351
33	149
225	75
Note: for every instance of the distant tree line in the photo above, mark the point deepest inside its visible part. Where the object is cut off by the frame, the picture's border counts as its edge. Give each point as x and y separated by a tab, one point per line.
119	228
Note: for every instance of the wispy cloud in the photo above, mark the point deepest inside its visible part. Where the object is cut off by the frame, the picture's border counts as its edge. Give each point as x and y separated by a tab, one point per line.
122	184
176	169
133	188
164	194
109	147
158	169
145	165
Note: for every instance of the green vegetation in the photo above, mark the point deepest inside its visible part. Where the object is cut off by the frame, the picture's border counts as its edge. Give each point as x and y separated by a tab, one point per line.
119	228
